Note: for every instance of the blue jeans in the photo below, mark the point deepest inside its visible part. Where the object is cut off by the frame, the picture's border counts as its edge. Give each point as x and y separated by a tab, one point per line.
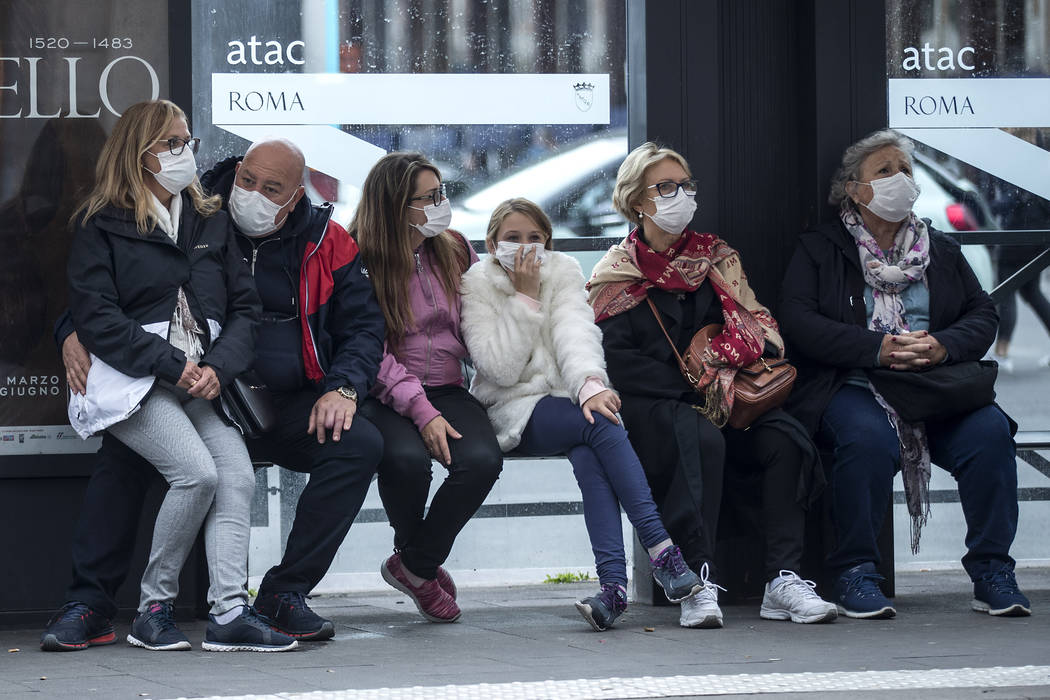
976	448
609	475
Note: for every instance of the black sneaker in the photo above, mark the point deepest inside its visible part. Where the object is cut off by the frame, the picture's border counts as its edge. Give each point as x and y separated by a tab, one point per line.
602	610
996	593
74	627
249	631
288	612
155	630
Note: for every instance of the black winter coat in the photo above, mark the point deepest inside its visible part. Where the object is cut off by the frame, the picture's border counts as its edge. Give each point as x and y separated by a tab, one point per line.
121	280
824	322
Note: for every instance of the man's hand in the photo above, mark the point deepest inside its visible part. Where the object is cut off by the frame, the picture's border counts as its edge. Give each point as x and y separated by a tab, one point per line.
77	361
206	386
190	374
605	402
911	351
435	436
334	412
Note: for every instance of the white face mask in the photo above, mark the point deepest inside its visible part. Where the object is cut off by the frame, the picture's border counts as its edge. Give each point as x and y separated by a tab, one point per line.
176	172
439	216
892	197
673	214
253	213
507	253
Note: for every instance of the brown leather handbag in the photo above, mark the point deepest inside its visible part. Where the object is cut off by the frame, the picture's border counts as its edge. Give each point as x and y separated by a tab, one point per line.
757	388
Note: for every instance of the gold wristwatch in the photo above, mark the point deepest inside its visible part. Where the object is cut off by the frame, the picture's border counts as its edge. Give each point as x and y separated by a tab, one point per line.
348	392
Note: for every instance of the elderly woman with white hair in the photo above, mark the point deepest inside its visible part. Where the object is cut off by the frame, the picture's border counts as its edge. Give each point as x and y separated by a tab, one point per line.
886	323
665	277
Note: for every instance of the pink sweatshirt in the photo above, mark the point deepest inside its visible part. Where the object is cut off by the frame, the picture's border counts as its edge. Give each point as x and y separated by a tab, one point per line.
431	354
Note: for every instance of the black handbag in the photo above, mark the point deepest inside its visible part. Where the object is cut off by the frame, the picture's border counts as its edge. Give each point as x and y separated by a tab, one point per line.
248	403
938	392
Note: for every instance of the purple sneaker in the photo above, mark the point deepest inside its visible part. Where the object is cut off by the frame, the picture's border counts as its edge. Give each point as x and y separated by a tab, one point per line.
445	581
431	600
602	610
670	571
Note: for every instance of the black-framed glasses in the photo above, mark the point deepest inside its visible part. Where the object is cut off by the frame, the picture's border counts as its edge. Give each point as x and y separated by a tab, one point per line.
436	196
177	145
669	189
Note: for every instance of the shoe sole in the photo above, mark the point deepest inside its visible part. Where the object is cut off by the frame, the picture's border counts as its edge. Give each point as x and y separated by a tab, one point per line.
588	614
1015	610
326	632
710	622
881	614
392	580
219	646
177	646
51	643
827	616
692	591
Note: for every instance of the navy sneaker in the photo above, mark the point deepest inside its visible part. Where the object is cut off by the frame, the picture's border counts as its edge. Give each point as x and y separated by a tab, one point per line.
857	594
602	610
996	593
289	614
249	631
74	627
670	571
155	630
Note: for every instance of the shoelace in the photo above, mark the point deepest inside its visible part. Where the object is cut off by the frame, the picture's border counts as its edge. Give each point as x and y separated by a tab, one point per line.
255	618
865	584
613	597
1003	581
671	559
293	599
164	616
709	586
69	613
799	586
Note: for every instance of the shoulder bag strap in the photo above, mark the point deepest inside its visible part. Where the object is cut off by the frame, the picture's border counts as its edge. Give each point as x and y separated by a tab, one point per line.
656	314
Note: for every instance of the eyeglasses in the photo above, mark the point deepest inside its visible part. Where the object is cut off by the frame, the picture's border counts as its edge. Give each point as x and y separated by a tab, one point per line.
177	145
669	189
436	196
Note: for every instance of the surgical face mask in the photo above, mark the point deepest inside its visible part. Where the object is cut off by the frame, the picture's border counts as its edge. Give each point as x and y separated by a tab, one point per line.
176	172
439	216
253	213
673	214
892	197
507	253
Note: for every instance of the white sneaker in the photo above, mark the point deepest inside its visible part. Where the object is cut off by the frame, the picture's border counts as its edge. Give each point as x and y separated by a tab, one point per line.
701	609
791	597
1005	363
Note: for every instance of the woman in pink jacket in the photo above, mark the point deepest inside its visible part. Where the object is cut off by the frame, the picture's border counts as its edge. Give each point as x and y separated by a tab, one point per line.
424	410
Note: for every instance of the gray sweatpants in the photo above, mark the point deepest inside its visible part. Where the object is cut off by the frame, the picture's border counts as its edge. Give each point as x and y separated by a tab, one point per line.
210	481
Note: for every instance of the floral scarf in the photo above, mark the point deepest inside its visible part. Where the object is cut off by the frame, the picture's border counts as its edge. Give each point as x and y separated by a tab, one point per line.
889	274
621	281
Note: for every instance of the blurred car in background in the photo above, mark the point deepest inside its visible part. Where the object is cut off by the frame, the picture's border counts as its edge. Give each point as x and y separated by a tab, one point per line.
574	186
953	203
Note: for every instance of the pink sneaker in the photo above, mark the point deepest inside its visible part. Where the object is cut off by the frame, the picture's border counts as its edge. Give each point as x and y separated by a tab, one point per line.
431	600
445	581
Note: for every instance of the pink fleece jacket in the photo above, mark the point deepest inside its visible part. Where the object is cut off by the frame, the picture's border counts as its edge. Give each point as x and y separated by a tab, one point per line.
431	354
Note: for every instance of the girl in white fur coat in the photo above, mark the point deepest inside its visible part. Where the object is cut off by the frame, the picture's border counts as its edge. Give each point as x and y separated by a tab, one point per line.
541	376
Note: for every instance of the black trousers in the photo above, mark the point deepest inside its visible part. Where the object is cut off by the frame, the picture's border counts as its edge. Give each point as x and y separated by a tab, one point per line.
340	473
425	537
774	456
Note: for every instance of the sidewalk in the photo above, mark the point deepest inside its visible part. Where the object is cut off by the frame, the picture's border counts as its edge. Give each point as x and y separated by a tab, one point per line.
514	638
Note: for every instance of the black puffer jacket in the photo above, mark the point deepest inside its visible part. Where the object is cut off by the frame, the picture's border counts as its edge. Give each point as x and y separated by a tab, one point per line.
824	322
121	280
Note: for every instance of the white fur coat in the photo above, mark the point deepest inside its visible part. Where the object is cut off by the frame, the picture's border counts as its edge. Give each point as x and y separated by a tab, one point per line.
522	355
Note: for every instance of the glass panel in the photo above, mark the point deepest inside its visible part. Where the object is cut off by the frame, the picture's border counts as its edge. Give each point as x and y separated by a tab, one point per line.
66	74
558	165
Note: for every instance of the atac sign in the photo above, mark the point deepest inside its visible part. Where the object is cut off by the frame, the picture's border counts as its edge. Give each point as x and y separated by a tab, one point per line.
27	77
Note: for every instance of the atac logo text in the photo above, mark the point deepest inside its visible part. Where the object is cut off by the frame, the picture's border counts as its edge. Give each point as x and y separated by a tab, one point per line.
584	96
26	77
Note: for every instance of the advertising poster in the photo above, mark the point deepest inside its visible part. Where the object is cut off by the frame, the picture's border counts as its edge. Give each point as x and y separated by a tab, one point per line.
67	71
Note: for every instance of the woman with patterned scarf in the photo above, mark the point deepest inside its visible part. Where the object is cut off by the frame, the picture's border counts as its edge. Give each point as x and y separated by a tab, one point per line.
878	287
679	432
